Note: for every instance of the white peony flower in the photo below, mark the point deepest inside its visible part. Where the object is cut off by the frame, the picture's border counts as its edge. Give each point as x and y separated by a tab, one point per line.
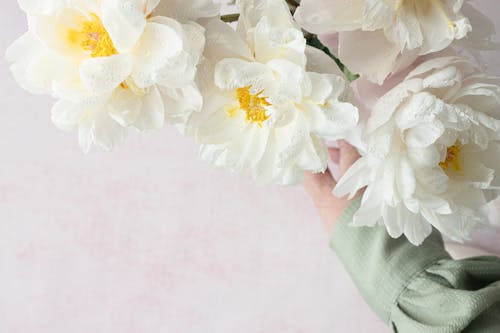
377	37
117	59
433	153
264	114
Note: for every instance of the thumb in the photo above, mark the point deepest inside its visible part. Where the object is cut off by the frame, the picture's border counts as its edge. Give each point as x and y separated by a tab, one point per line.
348	155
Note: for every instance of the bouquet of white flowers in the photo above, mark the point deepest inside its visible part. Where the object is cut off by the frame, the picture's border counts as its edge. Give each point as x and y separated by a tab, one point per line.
400	78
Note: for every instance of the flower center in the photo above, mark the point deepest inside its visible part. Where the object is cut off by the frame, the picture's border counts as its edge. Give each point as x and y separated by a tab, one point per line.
93	37
451	160
253	105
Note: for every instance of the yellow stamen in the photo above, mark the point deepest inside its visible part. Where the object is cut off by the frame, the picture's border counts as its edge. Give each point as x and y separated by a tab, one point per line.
252	104
129	84
93	37
452	160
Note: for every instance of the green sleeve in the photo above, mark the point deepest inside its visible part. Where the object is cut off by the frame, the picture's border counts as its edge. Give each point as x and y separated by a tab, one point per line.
419	289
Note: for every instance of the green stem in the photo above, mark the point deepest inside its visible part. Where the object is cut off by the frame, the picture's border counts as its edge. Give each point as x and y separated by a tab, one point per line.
230	17
313	40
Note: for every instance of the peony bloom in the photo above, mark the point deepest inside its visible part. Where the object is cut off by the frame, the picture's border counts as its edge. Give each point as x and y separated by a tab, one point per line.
433	153
112	63
264	114
378	37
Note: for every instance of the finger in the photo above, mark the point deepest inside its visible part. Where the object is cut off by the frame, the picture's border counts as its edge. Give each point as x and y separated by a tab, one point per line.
319	185
348	155
334	155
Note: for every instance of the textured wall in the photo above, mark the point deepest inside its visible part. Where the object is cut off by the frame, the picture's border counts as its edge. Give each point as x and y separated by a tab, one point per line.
150	239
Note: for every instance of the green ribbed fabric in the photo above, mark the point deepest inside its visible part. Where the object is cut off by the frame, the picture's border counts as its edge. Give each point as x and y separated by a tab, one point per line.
419	289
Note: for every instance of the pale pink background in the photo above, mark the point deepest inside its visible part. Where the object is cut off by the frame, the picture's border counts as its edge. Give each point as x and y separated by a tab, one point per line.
148	238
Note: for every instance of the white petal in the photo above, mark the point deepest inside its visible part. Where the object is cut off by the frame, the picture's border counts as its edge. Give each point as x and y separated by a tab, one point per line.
219	128
482	97
124	21
424	157
439	32
66	116
250	148
491	160
224	42
33	66
182	11
393	219
342	15
340	115
424	135
180	103
405	31
387	105
434	63
377	15
314	156
40	7
252	12
24	48
369	213
290	78
295	139
53	31
104	74
149	6
319	62
125	106
270	42
324	86
446	77
100	129
157	45
405	179
368	53
416	229
478	175
236	73
152	114
266	171
355	178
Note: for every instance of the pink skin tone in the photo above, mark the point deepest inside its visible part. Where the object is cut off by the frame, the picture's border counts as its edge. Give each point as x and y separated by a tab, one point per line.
319	186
